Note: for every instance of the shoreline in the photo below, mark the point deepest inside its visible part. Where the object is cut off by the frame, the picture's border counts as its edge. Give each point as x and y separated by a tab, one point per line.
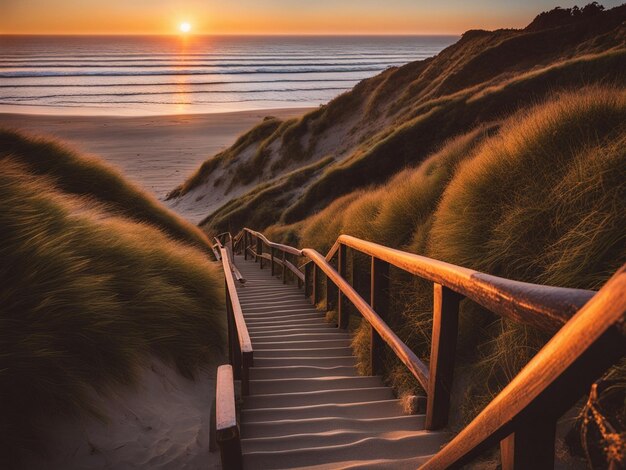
156	151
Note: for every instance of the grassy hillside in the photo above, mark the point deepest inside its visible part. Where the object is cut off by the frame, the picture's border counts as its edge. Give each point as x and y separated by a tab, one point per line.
90	289
541	199
399	117
92	178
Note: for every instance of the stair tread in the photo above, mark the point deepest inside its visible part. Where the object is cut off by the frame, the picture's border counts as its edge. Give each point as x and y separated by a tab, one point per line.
308	407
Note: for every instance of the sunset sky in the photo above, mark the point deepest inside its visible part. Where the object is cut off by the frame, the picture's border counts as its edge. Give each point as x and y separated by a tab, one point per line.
268	16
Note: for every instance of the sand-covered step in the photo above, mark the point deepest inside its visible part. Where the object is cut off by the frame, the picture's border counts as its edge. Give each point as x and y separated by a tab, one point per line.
303	361
303	344
304	352
375	464
269	297
263	386
279	327
303	336
323	329
301	372
282	317
371	448
317	439
354	410
282	313
407	423
364	410
281	400
261	307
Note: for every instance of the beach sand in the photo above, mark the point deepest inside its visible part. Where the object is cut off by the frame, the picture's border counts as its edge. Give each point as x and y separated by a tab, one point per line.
163	424
158	152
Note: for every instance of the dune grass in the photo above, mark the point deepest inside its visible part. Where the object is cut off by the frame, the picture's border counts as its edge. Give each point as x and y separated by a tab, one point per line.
91	177
541	198
89	294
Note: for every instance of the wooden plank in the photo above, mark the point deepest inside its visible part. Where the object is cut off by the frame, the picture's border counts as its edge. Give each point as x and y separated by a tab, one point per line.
442	355
408	357
226	428
240	344
278	246
343	314
554	380
379	300
544	307
298	273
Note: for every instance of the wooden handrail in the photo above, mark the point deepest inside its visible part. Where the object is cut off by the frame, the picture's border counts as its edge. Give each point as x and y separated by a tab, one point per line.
591	342
544	307
522	417
226	427
286	248
241	351
408	357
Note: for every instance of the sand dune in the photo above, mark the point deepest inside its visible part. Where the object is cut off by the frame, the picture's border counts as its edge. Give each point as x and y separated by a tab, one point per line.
159	152
162	424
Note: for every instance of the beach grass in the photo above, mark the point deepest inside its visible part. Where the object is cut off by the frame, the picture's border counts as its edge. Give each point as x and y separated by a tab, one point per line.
540	198
90	292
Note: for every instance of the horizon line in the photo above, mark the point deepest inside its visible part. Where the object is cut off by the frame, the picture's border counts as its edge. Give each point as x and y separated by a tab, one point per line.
183	36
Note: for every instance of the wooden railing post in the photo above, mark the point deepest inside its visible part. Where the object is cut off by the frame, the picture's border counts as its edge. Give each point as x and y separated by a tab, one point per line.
343	315
245	245
442	352
331	294
272	251
379	300
230	322
259	250
316	291
284	271
308	275
530	447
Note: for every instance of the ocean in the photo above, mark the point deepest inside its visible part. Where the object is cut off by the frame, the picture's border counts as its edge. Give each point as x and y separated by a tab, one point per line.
147	75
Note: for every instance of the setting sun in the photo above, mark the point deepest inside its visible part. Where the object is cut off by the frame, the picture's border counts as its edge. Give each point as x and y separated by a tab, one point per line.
185	27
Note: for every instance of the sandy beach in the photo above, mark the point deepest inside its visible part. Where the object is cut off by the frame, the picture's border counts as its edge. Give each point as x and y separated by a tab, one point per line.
158	152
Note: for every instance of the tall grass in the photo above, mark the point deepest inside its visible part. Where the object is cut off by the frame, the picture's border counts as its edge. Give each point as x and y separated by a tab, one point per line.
88	176
87	296
541	198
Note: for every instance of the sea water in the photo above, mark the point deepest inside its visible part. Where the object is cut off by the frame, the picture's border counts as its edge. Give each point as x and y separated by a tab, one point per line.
143	75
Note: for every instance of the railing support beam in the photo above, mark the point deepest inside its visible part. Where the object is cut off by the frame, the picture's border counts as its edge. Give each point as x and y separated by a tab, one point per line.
343	315
379	300
308	275
530	447
442	352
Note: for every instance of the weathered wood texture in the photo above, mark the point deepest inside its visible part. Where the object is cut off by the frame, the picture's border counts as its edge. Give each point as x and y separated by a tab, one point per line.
443	349
523	416
240	345
550	384
408	357
226	428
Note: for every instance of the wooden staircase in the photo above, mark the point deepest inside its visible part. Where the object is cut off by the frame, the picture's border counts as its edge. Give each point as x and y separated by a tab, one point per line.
303	405
307	405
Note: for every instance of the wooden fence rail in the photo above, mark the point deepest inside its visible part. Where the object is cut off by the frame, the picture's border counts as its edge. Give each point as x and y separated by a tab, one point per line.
529	401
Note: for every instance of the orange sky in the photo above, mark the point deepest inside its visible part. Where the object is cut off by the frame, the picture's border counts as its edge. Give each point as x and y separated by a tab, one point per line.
266	16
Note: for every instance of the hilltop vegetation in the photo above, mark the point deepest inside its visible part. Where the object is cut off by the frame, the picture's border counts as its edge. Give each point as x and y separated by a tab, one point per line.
399	117
96	278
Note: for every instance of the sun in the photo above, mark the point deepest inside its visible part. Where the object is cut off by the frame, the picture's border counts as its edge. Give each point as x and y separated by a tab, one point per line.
184	27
